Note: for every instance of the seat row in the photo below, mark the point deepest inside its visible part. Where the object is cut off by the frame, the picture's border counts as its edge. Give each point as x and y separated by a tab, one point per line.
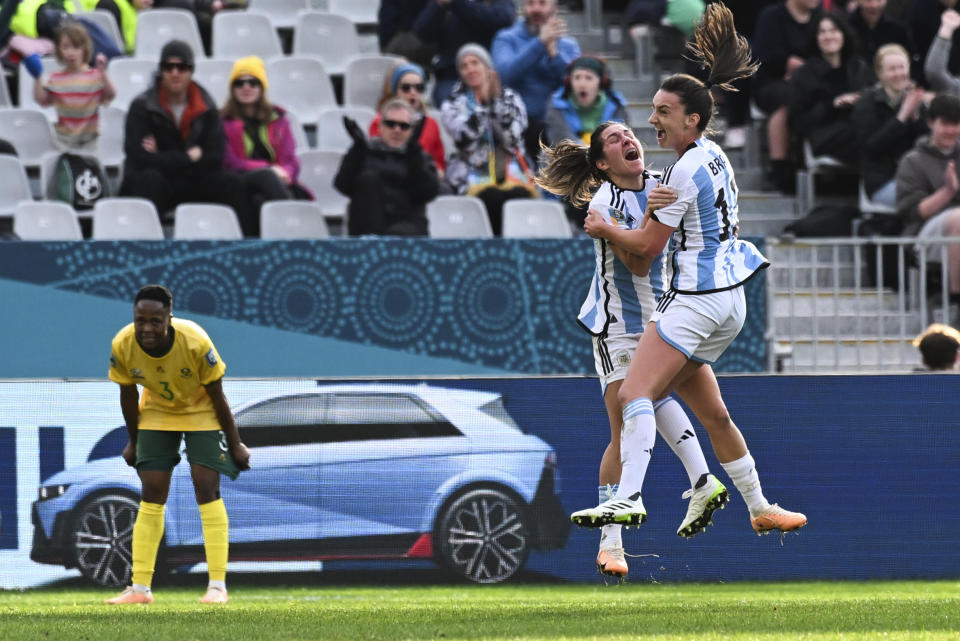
325	27
137	219
301	84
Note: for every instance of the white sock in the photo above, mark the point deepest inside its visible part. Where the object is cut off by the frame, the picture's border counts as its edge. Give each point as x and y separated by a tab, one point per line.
743	473
220	585
637	437
606	492
609	534
675	428
143	589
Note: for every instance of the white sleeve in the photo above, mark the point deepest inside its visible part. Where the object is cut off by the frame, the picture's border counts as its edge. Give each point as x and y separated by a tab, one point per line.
680	180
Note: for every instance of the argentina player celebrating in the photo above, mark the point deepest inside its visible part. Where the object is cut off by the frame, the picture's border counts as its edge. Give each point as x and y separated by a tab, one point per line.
618	306
704	270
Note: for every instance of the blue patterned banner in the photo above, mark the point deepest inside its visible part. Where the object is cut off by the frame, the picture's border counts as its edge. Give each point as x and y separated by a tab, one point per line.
493	305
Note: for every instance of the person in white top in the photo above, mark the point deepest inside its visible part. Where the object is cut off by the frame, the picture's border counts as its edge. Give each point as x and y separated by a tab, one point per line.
617	308
705	267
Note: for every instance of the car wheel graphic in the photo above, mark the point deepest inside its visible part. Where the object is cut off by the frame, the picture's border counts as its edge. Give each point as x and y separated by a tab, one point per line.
481	536
101	538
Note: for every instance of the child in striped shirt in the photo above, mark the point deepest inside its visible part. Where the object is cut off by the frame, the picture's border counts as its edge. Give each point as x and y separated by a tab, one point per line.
77	91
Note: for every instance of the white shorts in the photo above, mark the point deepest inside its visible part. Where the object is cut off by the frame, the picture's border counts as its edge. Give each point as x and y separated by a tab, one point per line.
612	356
701	326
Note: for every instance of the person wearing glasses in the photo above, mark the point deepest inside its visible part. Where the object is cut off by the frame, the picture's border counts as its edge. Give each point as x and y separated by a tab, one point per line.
406	82
174	141
260	143
390	178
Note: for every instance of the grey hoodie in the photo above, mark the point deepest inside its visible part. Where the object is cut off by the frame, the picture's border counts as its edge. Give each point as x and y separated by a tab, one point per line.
919	174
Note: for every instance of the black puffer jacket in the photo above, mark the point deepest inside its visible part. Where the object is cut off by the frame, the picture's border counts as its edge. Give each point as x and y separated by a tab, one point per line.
147	117
883	139
408	178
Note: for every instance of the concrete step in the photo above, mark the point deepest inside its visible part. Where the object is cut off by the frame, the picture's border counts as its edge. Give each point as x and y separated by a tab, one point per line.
847	324
823	279
849	355
589	41
637	88
805	304
621	68
764	225
765	202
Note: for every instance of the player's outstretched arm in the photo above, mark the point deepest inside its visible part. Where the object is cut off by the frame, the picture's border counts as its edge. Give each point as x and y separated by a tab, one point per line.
130	408
239	451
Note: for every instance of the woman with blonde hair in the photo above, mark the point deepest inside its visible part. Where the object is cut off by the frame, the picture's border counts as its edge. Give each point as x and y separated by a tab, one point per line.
487	123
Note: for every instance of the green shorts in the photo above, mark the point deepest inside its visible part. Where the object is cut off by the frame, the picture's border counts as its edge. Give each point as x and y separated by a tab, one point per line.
160	450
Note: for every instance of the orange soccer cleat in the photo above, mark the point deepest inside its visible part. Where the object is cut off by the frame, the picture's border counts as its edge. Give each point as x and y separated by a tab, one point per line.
131	596
612	562
777	518
214	595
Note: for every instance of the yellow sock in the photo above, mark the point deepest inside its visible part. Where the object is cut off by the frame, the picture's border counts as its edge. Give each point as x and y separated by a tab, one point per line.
216	535
147	532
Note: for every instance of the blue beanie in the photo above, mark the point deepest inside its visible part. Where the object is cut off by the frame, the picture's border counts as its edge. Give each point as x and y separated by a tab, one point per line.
400	71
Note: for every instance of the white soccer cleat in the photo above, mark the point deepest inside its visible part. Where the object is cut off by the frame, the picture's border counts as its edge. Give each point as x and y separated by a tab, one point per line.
709	496
622	511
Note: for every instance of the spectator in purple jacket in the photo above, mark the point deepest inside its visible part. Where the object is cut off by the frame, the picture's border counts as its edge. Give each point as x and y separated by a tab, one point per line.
260	144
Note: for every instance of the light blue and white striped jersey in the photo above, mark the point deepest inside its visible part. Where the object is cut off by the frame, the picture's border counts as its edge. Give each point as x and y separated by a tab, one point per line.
620	302
704	254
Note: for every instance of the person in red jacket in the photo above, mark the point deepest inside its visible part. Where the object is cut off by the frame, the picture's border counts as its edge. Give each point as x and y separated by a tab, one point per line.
406	82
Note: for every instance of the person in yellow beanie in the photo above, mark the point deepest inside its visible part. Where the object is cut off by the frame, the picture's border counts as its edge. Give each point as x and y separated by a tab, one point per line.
260	143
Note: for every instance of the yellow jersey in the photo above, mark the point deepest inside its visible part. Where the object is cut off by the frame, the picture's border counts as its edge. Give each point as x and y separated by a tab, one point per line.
174	397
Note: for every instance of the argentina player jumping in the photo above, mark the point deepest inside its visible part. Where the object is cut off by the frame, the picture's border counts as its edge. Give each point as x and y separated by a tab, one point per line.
704	270
618	306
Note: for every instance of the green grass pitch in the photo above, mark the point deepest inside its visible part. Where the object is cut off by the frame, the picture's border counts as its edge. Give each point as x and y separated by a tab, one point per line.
848	611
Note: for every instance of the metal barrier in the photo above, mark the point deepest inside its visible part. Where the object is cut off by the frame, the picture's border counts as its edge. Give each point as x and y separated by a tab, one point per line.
854	304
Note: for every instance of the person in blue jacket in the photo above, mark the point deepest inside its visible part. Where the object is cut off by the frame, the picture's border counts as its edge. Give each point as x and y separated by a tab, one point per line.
531	57
585	100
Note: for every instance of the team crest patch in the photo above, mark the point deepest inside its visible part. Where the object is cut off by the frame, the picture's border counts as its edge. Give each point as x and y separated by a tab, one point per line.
136	373
211	358
617	216
185	372
623	358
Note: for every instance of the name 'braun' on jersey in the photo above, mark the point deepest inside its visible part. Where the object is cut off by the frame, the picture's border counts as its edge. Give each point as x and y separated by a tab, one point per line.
704	254
620	302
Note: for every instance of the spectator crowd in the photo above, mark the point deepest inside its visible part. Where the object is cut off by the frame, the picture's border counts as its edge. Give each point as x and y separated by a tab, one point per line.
478	86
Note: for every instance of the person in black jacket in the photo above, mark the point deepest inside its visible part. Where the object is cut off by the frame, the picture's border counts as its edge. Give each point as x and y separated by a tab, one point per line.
889	118
825	89
781	45
174	141
389	180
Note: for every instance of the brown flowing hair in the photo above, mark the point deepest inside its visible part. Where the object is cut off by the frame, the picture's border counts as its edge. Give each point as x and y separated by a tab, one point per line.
262	110
569	168
725	54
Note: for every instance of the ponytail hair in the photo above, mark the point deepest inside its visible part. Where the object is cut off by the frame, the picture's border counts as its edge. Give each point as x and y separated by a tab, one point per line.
725	54
569	168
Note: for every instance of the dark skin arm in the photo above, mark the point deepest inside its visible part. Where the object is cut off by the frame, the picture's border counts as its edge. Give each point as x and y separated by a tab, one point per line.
130	407
239	451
